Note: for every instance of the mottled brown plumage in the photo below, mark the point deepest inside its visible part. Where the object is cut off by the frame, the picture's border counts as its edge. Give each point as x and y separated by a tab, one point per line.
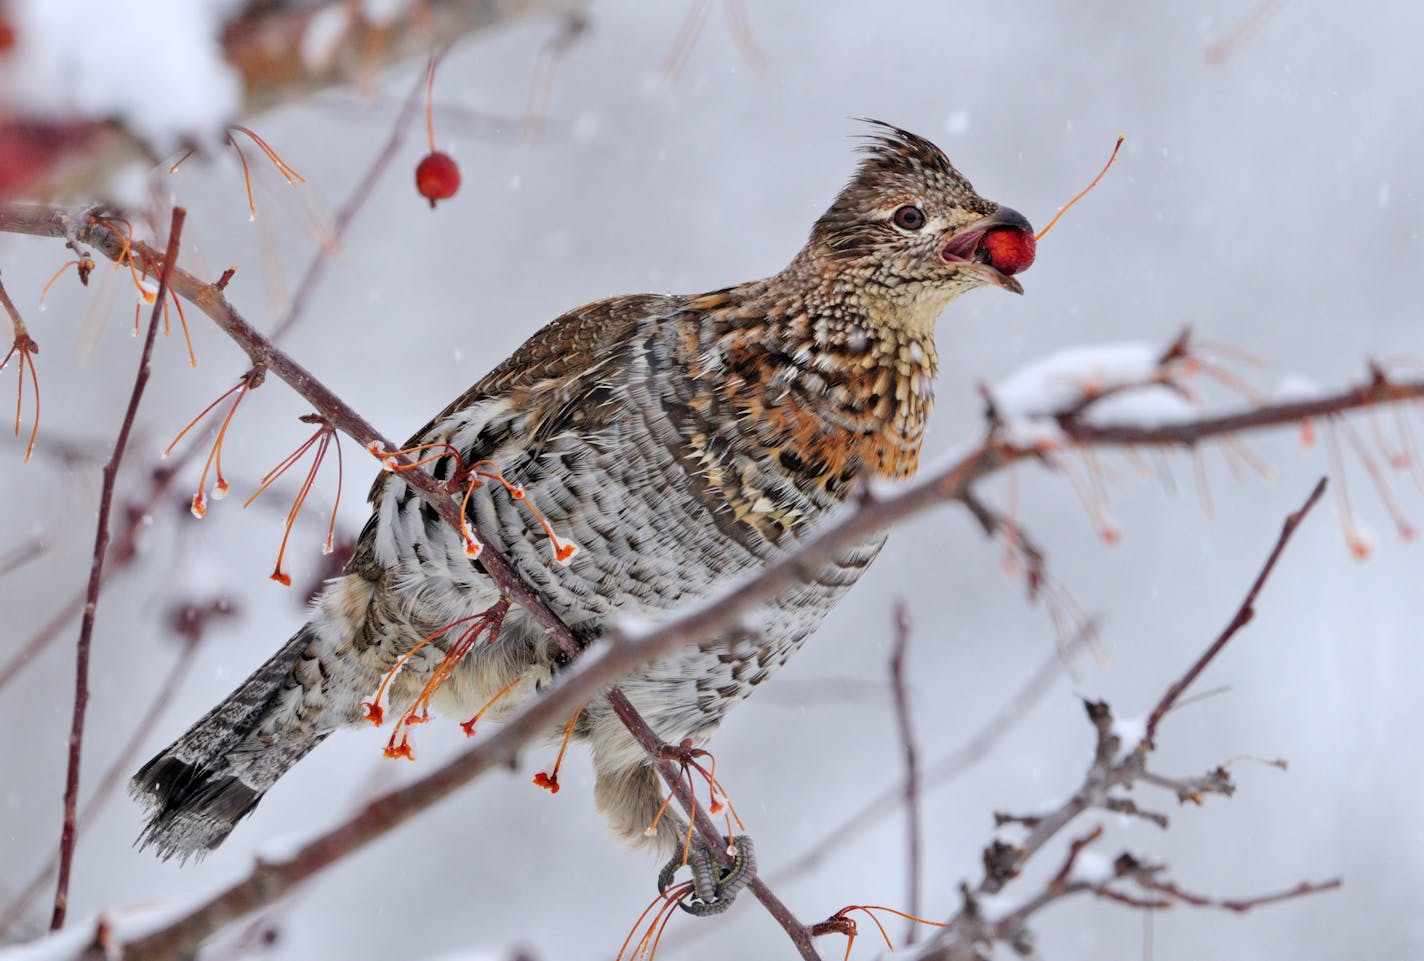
679	441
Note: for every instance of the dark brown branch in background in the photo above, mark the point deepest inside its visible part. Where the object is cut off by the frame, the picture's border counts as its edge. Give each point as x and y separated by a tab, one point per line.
265	45
1243	616
362	192
1112	766
870	515
210	299
1237	905
40	640
121	763
573	25
96	577
974	749
126	545
914	840
17	557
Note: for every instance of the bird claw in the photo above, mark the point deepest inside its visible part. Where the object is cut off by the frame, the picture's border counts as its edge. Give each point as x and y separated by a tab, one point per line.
712	893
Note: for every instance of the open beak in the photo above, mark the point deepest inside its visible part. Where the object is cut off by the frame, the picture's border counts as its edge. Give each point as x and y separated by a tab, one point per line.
967	248
996	277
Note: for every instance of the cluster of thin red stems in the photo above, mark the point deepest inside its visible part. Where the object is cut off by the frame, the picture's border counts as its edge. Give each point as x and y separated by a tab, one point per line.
621	653
125	548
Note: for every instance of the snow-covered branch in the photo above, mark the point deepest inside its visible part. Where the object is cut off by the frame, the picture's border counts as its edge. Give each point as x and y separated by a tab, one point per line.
76	104
1024	423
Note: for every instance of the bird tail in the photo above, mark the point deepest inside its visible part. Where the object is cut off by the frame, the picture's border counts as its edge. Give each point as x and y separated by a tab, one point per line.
200	786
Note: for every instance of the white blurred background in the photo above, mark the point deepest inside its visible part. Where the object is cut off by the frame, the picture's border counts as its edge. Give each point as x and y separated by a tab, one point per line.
1271	200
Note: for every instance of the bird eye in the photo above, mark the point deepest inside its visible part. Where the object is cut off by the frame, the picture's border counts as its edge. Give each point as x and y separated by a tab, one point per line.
909	217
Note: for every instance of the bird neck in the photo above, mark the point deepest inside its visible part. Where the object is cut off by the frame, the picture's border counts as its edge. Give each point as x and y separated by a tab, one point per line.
852	380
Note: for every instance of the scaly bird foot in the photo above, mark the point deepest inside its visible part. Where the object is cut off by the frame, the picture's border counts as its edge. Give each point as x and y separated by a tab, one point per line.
713	889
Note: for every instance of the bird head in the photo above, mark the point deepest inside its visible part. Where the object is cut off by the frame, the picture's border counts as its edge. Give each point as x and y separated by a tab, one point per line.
909	231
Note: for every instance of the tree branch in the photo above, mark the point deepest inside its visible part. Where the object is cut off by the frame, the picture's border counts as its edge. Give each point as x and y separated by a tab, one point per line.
126	545
270	45
625	647
211	299
1114	765
914	841
1243	616
96	577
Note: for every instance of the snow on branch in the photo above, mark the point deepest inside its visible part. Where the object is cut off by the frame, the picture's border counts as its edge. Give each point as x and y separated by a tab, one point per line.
1029	428
87	85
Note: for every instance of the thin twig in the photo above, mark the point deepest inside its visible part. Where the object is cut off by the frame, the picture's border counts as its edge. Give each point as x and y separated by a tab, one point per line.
118	768
1239	905
914	842
212	301
40	640
974	749
127	541
96	577
362	192
269	45
17	557
1243	616
1112	766
627	648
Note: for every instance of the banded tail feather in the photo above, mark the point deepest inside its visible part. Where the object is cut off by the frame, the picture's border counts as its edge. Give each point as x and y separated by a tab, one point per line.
201	785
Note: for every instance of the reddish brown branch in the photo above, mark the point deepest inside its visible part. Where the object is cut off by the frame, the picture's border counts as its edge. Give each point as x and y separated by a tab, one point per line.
209	298
914	840
126	544
1243	616
359	195
1075	848
96	578
593	674
118	768
1239	905
1114	765
1372	393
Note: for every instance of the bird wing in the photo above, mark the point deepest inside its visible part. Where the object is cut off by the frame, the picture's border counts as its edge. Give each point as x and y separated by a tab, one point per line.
552	368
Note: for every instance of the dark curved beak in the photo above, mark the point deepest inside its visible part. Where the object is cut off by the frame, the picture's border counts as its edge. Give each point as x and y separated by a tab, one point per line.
963	245
1006	217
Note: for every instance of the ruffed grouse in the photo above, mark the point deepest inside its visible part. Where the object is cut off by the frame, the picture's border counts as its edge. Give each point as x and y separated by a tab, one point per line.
679	441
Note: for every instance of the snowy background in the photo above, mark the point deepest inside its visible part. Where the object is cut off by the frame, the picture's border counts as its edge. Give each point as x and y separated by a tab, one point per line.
1272	201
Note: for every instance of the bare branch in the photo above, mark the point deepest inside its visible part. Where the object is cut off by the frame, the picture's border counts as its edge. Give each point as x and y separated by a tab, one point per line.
1114	765
1238	905
125	545
914	841
1243	616
211	299
19	556
269	45
974	749
362	192
96	578
121	763
877	509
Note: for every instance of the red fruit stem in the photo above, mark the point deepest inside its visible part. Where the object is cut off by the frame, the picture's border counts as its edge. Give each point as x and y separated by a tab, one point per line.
1082	193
